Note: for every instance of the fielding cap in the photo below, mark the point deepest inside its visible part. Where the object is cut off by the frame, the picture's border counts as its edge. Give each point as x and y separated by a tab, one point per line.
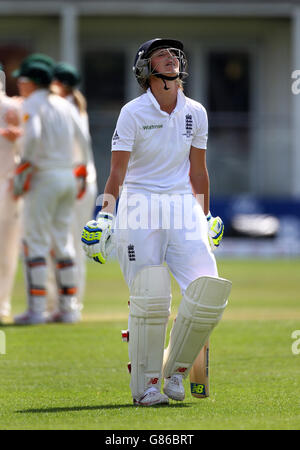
38	72
32	58
66	74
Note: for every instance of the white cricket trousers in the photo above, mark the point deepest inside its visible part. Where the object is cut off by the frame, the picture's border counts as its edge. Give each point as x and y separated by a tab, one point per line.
10	221
153	229
48	215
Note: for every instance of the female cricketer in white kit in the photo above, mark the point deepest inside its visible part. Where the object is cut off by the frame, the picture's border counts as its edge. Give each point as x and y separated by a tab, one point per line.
45	178
158	156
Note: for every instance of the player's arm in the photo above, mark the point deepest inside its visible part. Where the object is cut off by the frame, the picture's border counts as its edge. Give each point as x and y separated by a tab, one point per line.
199	177
200	184
96	236
12	131
24	170
118	169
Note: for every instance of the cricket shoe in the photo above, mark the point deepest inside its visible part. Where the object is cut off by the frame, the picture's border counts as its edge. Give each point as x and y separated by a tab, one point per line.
30	318
151	397
64	317
5	319
173	387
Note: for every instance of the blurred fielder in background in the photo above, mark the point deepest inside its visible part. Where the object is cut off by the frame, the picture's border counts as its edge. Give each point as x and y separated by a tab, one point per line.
10	208
159	157
45	178
65	82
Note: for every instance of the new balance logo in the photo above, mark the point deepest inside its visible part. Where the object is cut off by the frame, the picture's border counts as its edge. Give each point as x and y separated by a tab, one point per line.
131	252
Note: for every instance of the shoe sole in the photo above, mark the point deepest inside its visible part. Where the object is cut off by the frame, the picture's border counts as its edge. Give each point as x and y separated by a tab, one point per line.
159	401
177	397
61	319
137	403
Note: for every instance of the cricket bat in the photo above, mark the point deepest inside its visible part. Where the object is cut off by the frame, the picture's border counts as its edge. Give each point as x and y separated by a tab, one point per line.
199	374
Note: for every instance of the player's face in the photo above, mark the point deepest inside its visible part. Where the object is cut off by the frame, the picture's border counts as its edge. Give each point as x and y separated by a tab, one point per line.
59	88
26	87
165	61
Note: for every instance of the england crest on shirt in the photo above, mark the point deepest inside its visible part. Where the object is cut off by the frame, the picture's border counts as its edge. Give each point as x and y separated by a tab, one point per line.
188	126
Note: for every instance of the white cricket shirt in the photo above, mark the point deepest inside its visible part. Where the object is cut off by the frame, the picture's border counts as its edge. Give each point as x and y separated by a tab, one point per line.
160	142
51	126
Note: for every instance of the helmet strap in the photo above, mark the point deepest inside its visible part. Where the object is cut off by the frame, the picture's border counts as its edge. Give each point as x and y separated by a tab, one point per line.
164	78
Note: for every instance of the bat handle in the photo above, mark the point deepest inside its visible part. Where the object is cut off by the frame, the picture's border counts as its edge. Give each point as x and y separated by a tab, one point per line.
199	375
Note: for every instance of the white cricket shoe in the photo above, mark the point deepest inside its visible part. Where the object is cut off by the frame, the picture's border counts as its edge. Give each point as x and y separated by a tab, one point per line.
5	319
30	318
173	387
151	397
64	317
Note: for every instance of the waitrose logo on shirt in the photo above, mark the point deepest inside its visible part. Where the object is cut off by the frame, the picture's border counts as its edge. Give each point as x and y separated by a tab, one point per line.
151	127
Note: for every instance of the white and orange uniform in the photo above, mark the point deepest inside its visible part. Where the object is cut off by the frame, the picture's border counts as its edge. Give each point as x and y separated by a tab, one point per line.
50	128
10	209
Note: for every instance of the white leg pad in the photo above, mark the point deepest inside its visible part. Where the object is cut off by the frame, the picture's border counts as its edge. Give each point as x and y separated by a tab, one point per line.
66	274
199	312
36	276
150	301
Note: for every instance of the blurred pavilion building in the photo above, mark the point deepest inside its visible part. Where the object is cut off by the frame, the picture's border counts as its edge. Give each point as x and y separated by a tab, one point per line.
241	58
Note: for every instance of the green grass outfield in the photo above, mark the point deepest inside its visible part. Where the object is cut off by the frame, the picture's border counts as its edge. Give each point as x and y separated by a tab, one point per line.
75	376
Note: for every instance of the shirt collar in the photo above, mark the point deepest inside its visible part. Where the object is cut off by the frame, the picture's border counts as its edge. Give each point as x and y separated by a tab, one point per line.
39	93
179	105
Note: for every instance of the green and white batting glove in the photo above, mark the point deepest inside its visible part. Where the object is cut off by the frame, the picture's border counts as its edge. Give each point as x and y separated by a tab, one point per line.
96	237
215	230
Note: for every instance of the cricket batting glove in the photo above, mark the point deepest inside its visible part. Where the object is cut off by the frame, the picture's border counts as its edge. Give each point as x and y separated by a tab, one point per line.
215	230
80	173
22	178
97	237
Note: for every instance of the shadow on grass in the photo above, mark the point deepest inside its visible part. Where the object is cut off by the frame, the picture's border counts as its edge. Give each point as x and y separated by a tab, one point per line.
91	408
